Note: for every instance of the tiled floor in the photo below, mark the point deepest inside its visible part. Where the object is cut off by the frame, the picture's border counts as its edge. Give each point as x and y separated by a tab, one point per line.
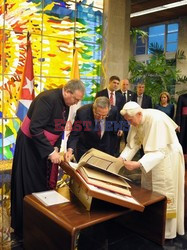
99	238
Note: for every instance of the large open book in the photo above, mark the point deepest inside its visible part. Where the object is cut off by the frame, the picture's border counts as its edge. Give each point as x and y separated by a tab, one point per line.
101	170
96	176
102	161
104	180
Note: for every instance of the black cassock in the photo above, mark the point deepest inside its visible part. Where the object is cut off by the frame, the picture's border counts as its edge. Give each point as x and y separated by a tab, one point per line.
31	167
181	120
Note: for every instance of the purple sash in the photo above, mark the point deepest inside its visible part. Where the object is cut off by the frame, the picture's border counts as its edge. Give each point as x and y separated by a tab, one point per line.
184	111
52	138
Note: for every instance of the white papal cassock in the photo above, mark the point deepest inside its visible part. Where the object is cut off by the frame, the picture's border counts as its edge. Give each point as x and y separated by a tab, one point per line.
162	165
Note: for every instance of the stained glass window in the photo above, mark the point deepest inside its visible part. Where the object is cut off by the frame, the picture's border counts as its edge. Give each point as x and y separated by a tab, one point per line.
54	26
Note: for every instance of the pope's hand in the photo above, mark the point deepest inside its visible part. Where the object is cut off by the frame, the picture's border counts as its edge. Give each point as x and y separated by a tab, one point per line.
131	165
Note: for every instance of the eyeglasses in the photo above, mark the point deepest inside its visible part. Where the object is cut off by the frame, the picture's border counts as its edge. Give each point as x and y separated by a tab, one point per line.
101	116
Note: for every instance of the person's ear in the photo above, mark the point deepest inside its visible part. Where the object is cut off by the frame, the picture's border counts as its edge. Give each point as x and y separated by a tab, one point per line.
139	113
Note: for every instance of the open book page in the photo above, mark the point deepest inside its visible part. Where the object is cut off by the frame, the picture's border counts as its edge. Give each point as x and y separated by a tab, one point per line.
107	186
94	174
79	183
51	197
101	160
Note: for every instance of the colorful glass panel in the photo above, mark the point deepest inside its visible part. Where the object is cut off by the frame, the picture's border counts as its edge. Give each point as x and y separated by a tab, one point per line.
54	27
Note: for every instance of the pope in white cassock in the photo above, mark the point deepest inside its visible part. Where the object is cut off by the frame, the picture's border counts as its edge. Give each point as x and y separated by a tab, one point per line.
162	165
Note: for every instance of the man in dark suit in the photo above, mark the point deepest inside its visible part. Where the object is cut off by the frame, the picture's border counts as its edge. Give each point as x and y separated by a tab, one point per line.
128	95
117	100
93	127
142	99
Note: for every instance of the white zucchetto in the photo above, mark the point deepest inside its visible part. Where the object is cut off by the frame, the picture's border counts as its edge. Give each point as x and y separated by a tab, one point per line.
128	106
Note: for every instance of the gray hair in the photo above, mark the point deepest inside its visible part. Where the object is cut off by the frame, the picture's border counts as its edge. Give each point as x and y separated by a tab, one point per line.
102	102
73	85
140	83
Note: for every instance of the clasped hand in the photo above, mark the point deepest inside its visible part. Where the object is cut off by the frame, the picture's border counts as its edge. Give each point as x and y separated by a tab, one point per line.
55	157
131	165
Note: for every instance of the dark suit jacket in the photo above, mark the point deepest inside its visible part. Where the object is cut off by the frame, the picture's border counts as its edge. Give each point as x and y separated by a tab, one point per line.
118	96
131	96
84	135
119	105
181	120
146	101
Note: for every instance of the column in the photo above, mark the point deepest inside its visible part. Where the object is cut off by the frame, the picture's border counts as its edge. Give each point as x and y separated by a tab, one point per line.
116	39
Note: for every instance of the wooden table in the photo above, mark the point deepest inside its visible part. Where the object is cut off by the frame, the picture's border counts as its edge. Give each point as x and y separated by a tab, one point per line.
58	226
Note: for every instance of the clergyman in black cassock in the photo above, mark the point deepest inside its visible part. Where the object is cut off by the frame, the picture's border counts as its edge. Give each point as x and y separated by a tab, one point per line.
181	120
37	141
